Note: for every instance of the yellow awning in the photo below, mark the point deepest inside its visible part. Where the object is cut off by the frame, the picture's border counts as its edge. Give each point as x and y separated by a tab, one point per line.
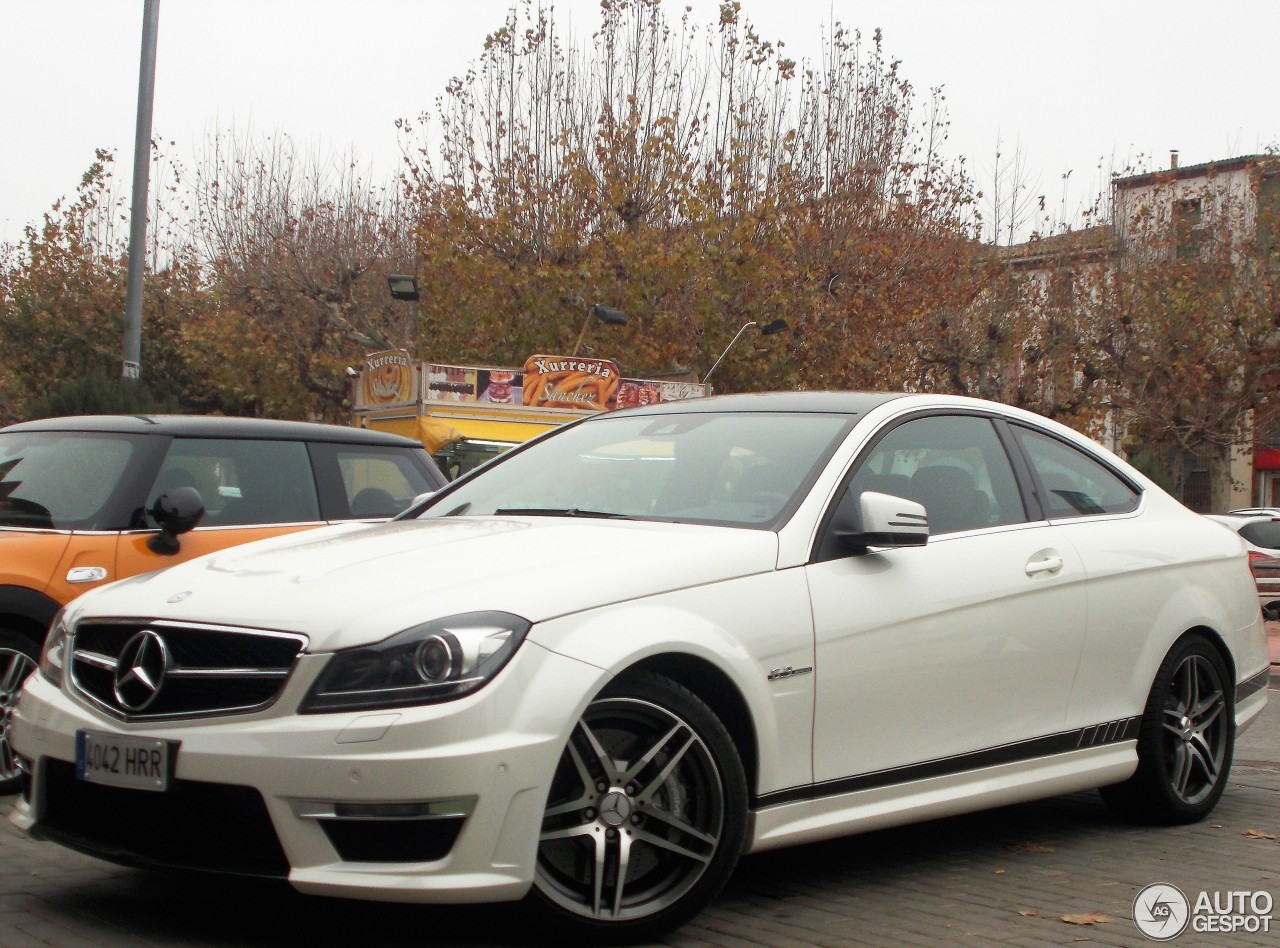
514	432
434	433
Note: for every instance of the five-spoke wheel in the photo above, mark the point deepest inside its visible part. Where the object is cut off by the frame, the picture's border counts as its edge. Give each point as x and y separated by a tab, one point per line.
16	663
1185	741
646	814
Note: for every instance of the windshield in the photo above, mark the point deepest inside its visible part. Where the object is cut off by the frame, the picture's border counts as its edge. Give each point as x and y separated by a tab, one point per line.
745	469
59	480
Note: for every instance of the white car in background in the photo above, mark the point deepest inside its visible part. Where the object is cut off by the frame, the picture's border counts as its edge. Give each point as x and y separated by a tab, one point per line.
598	670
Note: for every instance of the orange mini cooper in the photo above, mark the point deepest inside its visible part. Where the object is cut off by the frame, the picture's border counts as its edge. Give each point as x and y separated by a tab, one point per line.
87	500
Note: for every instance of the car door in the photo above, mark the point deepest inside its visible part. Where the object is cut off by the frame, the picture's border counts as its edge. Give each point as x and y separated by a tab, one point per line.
1094	507
944	656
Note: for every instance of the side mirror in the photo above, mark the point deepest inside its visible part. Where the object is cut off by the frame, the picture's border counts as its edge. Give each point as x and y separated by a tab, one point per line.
177	512
884	520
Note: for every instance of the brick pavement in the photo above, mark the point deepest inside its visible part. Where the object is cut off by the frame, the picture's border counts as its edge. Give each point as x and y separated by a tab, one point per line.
1005	877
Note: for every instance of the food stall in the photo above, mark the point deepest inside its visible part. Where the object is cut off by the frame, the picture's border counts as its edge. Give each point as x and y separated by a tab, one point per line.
467	414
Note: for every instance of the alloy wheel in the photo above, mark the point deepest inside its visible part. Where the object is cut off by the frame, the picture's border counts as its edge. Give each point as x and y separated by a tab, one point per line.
635	815
15	666
1195	729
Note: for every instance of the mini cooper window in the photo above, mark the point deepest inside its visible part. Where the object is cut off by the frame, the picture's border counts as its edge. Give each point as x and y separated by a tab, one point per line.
741	469
380	483
242	481
60	481
1073	484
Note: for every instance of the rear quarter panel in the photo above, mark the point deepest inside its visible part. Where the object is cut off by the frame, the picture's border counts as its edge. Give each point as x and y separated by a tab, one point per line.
1154	577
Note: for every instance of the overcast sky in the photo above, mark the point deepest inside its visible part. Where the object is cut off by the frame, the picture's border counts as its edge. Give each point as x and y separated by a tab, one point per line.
1072	84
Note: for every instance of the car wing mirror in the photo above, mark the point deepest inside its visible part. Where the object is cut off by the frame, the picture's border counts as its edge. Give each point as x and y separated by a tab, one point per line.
882	520
176	512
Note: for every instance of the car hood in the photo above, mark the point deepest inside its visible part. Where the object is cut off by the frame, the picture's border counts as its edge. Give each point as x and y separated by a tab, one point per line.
353	584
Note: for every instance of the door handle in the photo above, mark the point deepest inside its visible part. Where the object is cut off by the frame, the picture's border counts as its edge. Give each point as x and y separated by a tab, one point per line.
1050	564
86	574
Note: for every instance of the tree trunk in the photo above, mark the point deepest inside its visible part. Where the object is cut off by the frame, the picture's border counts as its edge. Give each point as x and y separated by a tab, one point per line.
1220	479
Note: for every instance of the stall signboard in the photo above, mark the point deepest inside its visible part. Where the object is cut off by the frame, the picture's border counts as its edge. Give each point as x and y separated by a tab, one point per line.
552	381
389	380
471	383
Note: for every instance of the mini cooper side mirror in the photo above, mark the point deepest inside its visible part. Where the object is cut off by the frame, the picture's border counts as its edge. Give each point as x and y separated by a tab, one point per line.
884	520
177	511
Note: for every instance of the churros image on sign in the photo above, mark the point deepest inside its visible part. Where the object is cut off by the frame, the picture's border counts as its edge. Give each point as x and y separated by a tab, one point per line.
568	382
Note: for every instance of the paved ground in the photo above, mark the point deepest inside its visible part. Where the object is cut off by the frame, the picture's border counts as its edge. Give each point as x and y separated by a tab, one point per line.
1058	872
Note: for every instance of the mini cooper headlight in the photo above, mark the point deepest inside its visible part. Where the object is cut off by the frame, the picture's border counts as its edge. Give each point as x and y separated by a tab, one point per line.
437	661
54	656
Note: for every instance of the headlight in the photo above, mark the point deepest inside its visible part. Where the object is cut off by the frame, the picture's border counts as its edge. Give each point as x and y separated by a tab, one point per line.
54	657
437	661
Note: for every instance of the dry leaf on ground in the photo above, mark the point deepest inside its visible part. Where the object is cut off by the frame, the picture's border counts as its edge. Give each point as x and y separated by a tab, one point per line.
1090	918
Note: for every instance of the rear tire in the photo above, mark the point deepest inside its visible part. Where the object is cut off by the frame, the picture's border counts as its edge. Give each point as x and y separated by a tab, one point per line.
1185	741
646	817
18	659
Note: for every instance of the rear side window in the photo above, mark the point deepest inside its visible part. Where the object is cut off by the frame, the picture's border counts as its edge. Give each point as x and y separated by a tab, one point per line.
242	482
58	480
380	482
1263	533
1071	483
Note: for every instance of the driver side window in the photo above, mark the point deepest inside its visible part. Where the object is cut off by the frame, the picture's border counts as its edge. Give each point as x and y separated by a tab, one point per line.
954	465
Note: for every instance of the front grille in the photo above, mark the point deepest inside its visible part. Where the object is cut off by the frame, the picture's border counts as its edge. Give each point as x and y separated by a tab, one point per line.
192	825
140	670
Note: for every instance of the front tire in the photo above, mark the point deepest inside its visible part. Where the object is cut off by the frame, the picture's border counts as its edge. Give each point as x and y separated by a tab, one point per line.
1185	742
18	659
646	816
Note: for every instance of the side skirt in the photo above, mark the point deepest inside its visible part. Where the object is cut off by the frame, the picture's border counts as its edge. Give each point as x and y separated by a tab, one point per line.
878	801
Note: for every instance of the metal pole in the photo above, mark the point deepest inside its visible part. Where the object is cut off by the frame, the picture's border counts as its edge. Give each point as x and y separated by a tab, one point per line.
132	367
745	327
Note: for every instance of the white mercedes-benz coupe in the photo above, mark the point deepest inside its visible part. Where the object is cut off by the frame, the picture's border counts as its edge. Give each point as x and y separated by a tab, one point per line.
602	667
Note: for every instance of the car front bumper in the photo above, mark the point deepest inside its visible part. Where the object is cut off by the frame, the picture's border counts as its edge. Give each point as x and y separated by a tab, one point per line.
435	803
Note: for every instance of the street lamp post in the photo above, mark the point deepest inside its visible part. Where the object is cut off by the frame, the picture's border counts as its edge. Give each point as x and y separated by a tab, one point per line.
606	314
768	329
404	286
132	362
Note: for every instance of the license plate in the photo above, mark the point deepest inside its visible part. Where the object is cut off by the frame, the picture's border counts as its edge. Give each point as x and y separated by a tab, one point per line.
121	760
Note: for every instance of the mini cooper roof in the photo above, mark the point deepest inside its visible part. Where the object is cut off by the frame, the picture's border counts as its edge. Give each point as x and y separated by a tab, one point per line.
214	426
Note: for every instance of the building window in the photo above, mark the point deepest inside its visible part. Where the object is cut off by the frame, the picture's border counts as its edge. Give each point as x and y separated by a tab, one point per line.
1196	492
1187	218
1268	224
1062	287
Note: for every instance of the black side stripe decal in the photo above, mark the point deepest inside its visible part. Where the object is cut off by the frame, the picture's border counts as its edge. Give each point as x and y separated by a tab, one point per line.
1095	735
1251	685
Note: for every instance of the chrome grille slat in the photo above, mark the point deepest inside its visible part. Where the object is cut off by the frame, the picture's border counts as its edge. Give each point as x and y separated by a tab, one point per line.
191	670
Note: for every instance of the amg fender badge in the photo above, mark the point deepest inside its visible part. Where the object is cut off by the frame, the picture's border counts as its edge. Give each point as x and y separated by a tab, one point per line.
789	672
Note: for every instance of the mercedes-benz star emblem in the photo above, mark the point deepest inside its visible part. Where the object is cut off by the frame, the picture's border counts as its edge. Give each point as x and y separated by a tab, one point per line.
140	670
615	808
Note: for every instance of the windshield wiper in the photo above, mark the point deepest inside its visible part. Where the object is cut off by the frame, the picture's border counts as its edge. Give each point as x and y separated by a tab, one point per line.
557	512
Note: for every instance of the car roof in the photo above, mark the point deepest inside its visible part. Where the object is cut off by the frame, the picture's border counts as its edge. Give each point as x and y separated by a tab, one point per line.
847	403
1237	519
215	426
